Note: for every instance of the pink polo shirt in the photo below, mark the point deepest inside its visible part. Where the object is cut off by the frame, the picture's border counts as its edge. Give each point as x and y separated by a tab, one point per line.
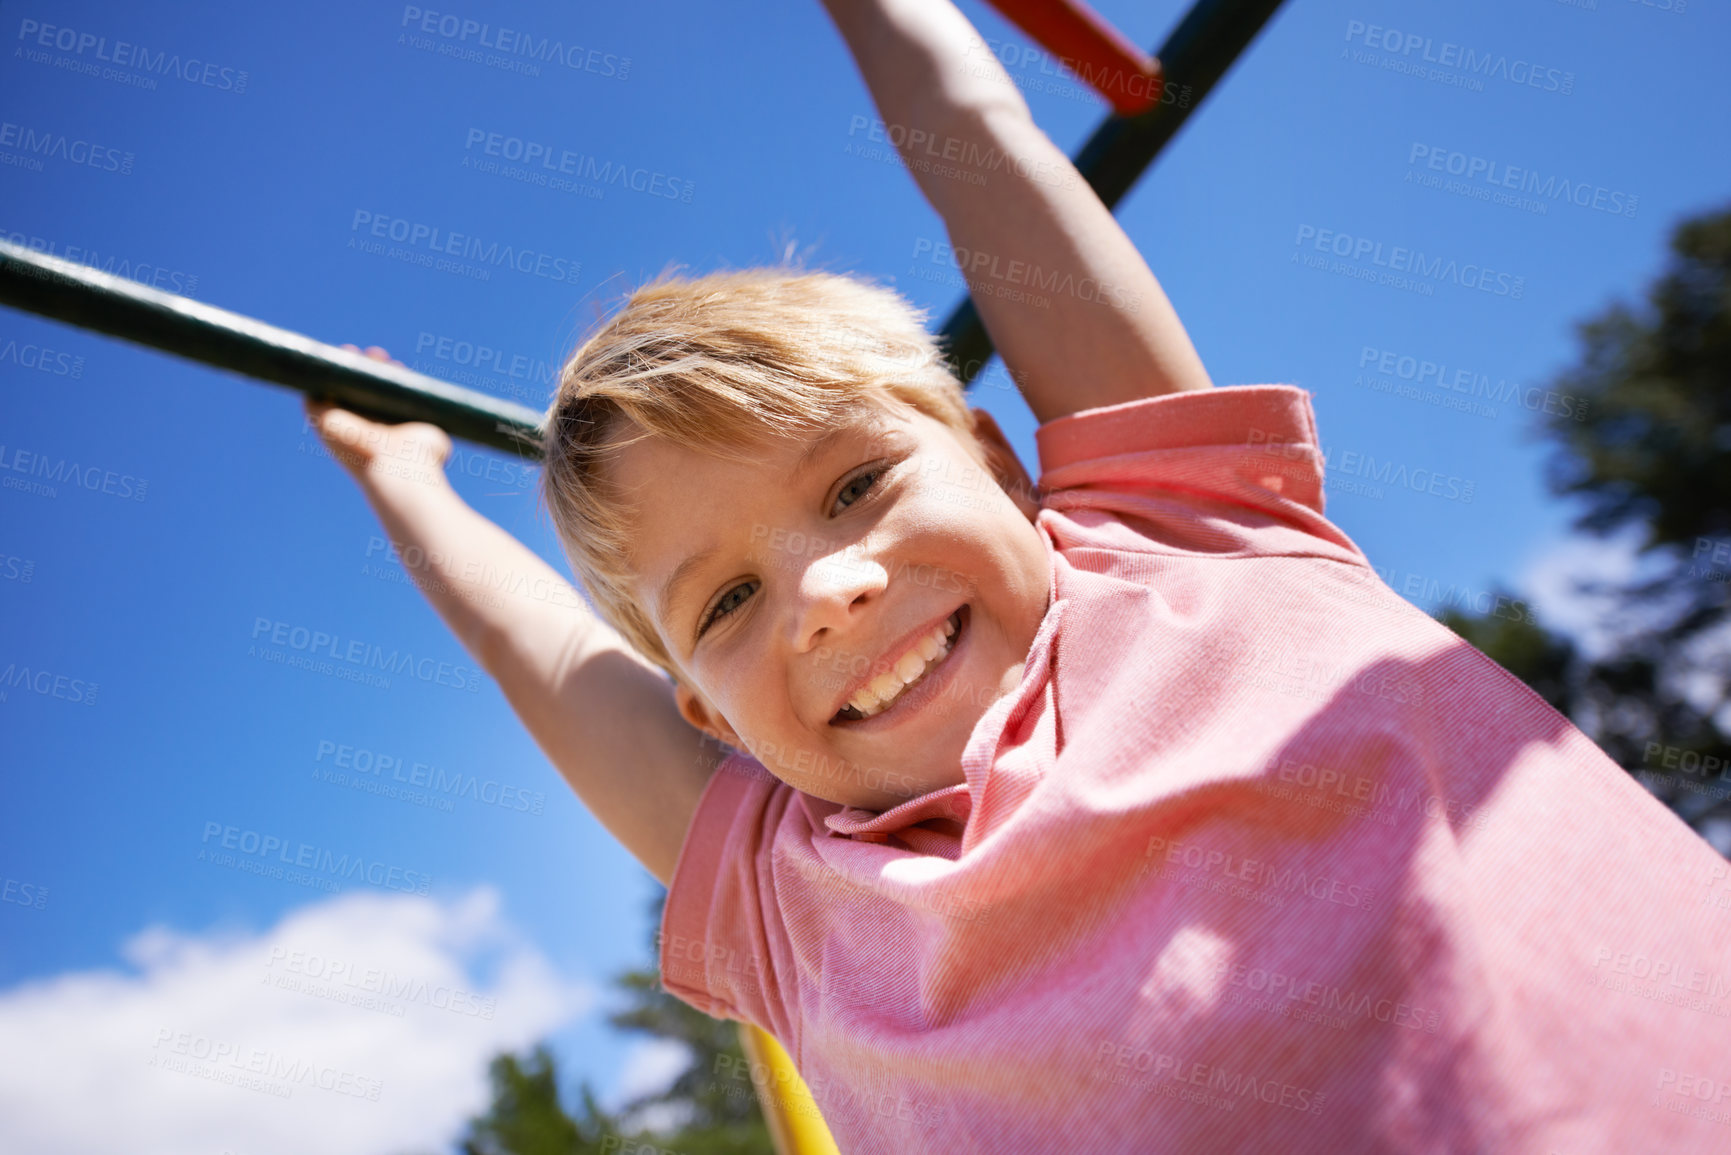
1257	857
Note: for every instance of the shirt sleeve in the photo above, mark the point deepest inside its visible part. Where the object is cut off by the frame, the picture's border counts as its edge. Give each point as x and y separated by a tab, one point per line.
715	948
1226	471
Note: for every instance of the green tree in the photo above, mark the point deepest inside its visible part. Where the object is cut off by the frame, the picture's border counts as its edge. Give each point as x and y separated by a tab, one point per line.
1651	457
526	1117
713	1099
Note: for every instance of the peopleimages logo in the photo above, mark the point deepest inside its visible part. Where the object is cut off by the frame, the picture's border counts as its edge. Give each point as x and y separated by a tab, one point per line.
1399	259
1436	374
560	161
474	355
142	272
60	471
1486	178
190	69
369	766
461	31
340	979
47	683
41	359
304	855
59	146
364	654
256	1068
1472	64
980	268
465	246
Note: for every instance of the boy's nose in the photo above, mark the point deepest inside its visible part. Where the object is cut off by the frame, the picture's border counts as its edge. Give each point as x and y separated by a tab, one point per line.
832	591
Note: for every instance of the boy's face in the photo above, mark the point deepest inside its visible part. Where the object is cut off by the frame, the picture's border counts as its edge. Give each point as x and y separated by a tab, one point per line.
816	575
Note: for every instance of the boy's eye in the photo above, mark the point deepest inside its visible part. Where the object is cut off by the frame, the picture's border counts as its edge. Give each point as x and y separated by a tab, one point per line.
726	605
860	486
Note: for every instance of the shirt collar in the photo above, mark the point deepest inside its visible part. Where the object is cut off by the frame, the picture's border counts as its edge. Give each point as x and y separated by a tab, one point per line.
951	802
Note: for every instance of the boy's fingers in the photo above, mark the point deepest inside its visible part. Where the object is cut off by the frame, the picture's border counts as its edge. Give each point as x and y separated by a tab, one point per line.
342	419
341	425
375	352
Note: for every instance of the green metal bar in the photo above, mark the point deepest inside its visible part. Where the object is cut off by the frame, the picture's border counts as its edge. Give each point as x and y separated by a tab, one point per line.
1197	54
91	299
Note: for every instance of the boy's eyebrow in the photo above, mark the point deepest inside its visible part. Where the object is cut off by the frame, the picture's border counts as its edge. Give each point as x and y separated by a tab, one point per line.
817	448
680	572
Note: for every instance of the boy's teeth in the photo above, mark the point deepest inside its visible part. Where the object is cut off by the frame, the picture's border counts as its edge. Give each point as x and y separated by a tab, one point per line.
885	686
877	694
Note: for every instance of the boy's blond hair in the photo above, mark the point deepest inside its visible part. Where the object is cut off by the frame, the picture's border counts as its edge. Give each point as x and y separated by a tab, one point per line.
717	364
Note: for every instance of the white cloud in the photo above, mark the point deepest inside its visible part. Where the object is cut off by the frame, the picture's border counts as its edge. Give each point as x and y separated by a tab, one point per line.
1697	672
365	1009
1595	623
651	1066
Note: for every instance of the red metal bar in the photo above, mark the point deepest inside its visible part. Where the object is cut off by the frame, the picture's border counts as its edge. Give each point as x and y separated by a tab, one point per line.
1094	51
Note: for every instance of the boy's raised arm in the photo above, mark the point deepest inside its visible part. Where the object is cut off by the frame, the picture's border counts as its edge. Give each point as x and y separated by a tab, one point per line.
603	715
1069	302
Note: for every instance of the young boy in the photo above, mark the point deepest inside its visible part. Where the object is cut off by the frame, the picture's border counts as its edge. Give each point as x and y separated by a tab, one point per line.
1131	812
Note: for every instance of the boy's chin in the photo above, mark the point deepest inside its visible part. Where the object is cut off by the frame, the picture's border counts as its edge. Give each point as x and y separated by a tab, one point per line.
878	801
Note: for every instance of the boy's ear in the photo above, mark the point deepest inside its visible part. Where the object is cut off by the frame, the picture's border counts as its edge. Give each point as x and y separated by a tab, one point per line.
1005	465
699	713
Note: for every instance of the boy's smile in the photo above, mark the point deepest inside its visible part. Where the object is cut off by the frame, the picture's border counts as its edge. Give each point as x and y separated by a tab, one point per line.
843	608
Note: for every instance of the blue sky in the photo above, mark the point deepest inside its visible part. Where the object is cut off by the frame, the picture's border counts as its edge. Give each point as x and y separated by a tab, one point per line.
1329	147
